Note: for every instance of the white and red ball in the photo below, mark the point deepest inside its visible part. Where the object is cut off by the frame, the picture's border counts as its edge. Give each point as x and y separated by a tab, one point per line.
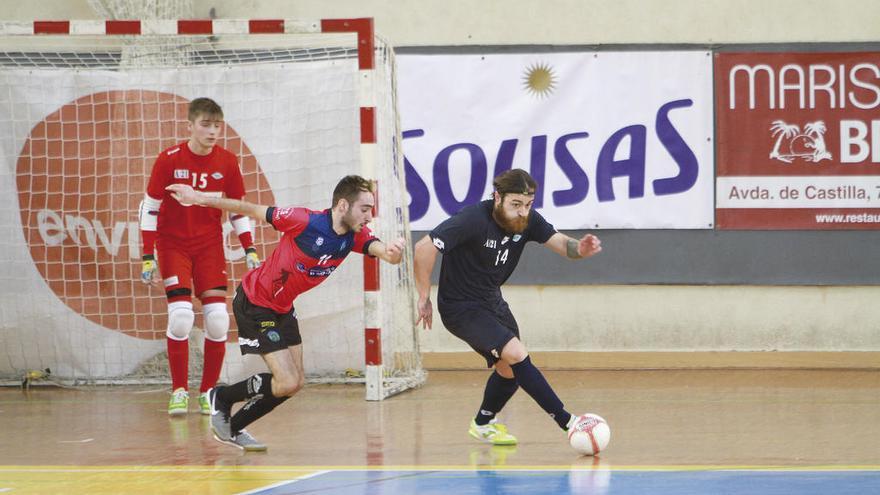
589	435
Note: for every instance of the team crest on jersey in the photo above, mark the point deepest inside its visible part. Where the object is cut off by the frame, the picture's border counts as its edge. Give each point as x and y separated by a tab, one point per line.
516	238
319	241
181	173
216	176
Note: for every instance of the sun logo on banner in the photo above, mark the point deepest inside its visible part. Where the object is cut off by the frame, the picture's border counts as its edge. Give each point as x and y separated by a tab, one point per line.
808	144
539	80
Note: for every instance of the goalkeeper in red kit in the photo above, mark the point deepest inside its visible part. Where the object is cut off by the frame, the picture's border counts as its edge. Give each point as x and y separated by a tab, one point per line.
185	245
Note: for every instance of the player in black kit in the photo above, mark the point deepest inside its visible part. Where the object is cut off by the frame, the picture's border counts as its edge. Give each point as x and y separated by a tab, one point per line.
481	246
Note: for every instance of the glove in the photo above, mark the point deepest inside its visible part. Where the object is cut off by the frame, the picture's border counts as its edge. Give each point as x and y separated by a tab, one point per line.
149	269
251	258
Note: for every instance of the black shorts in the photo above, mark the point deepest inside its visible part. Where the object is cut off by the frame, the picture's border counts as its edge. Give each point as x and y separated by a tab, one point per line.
486	328
261	330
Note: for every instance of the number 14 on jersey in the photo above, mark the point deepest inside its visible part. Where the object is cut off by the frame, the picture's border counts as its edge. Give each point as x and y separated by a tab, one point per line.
501	257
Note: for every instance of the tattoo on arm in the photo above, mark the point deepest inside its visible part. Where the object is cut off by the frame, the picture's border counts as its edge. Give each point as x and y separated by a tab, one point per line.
571	249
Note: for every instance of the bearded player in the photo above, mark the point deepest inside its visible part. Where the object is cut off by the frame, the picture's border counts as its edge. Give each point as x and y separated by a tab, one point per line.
481	247
188	242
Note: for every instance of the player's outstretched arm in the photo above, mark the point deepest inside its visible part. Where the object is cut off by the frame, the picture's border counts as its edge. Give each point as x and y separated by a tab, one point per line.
575	249
389	253
424	257
186	195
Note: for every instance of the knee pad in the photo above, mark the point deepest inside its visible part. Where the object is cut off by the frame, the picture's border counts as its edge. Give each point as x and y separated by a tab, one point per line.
180	320
216	321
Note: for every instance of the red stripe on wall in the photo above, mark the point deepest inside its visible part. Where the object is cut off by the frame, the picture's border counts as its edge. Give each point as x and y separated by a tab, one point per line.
262	26
373	346
371	273
195	26
122	27
368	124
51	27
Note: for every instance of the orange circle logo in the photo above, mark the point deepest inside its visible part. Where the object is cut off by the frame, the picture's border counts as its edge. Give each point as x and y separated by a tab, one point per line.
81	175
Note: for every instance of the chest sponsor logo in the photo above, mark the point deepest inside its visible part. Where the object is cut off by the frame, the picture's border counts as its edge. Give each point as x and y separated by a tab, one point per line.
181	173
216	176
315	271
491	243
318	271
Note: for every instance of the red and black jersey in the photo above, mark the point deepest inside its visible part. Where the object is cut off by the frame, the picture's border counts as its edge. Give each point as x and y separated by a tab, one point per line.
307	254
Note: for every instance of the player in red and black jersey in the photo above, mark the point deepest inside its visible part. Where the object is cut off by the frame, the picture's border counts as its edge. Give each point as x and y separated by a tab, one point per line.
314	244
190	246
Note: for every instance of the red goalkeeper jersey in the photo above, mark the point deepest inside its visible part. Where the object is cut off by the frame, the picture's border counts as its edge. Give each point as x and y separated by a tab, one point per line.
216	174
308	253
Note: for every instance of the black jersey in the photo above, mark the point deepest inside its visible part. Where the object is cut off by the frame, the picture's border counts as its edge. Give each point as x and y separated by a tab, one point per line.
478	257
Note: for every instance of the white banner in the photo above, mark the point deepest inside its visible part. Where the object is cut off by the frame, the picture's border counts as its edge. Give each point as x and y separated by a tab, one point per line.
617	140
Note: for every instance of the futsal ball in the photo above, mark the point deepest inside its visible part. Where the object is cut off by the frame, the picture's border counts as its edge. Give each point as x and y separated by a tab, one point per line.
589	435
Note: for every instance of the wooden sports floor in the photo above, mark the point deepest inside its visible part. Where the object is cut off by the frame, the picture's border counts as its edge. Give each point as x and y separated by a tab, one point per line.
682	432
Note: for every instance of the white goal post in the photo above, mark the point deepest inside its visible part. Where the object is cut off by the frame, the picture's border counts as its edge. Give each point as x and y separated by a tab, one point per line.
85	108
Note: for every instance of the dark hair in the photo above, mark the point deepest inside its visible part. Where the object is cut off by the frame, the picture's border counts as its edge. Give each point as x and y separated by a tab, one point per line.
349	188
515	181
204	106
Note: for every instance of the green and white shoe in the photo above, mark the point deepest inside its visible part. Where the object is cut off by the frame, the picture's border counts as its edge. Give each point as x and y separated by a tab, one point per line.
179	403
494	433
204	404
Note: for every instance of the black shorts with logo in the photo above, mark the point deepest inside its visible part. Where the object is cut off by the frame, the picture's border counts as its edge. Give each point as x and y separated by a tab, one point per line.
487	328
261	330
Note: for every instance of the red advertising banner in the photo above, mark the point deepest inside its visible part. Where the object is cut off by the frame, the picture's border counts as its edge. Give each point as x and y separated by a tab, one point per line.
798	141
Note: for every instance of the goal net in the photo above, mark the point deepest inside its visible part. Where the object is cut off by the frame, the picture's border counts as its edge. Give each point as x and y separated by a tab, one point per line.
84	112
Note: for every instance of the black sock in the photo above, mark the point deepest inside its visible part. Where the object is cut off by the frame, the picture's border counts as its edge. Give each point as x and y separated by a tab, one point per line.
534	383
255	409
247	389
498	391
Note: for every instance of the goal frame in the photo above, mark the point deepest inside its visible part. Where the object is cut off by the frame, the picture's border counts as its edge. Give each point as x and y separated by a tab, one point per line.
378	387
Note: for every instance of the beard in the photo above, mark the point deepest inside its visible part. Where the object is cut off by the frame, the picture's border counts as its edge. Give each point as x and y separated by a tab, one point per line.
511	225
349	221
